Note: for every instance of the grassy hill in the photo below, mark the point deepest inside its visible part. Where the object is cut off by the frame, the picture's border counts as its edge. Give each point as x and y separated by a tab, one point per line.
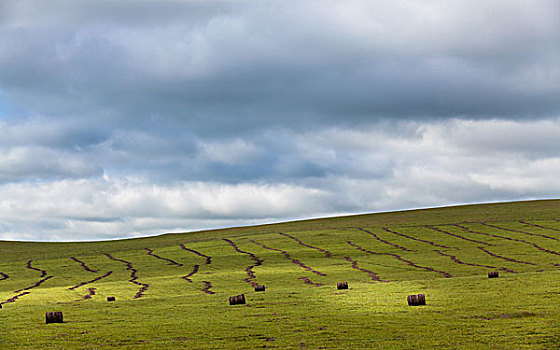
172	290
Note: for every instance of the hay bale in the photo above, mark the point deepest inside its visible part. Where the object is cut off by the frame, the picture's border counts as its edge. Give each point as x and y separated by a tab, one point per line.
412	300
493	274
342	285
260	288
237	299
111	299
53	317
416	299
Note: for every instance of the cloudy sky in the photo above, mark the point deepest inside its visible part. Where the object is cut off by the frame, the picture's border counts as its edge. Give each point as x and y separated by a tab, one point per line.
126	118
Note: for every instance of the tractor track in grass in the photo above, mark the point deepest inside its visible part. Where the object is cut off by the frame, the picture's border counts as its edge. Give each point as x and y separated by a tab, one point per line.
133	277
509	239
519	231
456	235
310	282
249	270
398	257
288	257
386	242
83	264
91	293
207	286
170	261
458	261
3	276
505	257
91	281
207	261
35	285
187	277
90	290
539	226
43	272
370	273
208	258
416	239
14	298
25	291
327	253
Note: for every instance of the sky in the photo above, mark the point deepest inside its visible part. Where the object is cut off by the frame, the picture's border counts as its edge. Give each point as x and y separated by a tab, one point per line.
132	118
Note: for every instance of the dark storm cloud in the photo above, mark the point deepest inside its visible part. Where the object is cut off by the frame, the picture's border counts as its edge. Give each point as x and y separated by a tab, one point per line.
244	65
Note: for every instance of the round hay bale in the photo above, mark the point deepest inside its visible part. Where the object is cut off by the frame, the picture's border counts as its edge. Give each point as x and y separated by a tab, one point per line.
260	288
421	299
111	299
237	299
53	317
412	300
342	285
493	274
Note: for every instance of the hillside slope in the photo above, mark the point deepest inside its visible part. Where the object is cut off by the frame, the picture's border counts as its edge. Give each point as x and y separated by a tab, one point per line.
172	290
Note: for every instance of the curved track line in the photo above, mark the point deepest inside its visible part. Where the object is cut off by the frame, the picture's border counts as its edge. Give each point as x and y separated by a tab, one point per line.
133	277
327	253
308	281
509	239
539	226
207	286
187	277
208	258
25	291
3	276
170	261
35	285
370	273
504	257
287	256
84	266
91	281
466	229
14	298
91	292
208	261
519	231
384	241
455	259
43	272
249	269
416	239
456	235
398	257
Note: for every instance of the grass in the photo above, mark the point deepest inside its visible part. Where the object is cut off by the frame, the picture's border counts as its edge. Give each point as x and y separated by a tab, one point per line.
465	311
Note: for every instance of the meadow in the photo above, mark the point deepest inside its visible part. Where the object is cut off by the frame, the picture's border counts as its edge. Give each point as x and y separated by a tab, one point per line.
172	290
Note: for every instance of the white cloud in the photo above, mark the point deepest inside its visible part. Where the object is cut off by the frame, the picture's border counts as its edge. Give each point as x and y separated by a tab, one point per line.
378	168
101	208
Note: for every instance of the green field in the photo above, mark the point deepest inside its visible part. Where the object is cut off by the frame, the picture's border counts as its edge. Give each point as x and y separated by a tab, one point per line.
172	290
